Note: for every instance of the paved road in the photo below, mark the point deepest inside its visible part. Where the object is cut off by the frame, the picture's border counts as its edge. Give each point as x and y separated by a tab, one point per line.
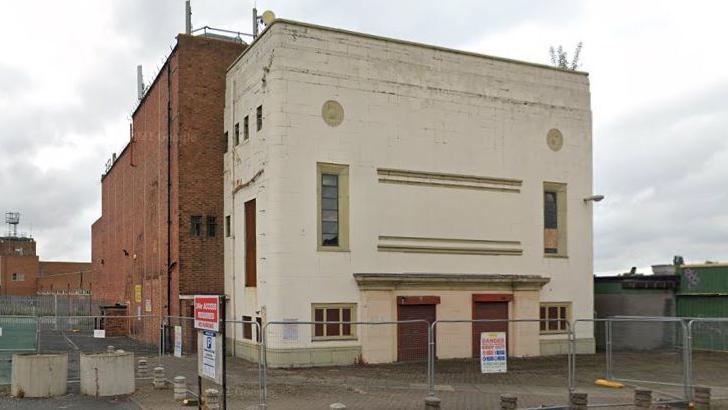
71	401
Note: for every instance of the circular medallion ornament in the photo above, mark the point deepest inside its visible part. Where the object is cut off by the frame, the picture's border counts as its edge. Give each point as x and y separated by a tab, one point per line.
332	113
554	139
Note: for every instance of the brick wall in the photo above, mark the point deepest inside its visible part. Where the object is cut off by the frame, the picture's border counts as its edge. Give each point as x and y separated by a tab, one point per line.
27	266
129	240
17	246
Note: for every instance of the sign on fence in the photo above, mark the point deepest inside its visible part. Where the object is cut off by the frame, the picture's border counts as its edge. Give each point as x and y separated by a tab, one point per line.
207	313
493	358
178	341
210	356
99	333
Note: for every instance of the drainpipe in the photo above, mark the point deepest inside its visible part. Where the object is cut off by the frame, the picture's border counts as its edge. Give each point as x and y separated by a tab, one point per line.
169	187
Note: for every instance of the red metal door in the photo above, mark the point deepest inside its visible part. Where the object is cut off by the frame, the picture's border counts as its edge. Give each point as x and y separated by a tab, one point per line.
488	310
412	337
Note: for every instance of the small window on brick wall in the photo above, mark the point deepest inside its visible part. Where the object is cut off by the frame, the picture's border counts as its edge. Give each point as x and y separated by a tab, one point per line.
18	277
337	312
554	317
211	226
196	225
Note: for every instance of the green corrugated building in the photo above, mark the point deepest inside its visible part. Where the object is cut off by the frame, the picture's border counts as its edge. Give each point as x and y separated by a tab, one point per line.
703	292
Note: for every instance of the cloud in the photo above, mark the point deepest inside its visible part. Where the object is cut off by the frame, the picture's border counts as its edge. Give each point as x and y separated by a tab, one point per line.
659	87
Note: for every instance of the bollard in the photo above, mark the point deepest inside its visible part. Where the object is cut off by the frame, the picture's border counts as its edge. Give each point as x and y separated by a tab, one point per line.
159	378
702	397
432	402
110	349
142	368
508	402
212	400
578	401
337	406
180	388
642	398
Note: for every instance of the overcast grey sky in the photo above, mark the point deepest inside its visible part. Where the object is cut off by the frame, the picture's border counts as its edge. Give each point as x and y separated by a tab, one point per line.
659	100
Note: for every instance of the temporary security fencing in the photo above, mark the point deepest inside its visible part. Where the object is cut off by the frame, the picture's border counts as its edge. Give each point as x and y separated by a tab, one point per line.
475	362
366	364
18	334
708	358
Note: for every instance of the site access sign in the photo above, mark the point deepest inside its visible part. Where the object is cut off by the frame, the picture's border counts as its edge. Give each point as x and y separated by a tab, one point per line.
207	313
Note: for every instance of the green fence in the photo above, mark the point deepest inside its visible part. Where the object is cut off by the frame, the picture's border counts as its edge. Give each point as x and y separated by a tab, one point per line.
18	334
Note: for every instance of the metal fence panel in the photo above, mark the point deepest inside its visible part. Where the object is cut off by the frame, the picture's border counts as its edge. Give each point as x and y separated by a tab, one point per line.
537	374
18	334
709	356
359	364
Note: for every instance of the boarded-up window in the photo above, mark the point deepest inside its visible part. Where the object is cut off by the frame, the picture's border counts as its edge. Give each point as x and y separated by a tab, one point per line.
251	275
554	219
338	318
247	328
554	317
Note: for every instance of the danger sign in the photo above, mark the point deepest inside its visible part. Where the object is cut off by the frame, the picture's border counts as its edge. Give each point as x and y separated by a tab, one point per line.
207	313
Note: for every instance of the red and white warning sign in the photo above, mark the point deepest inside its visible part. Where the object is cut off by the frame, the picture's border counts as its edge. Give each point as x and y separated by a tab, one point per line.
207	312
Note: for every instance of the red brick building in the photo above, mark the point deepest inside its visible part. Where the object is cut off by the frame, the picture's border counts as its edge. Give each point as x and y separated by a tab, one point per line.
159	239
23	274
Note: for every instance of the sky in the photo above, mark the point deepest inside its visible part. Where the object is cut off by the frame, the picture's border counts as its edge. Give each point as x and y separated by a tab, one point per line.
657	68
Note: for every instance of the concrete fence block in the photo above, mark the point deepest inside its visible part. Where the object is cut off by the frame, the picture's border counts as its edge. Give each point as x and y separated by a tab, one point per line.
578	401
142	368
702	397
180	388
107	374
508	402
159	378
432	402
39	375
110	349
212	399
642	398
337	406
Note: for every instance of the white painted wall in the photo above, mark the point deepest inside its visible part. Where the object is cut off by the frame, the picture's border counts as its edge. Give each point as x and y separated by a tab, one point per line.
406	107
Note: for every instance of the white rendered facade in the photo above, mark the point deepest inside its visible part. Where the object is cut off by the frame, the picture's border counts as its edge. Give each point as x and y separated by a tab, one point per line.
446	162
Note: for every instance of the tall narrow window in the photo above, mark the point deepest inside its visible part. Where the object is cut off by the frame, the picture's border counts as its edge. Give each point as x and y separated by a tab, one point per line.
227	225
259	118
226	139
211	226
329	210
236	135
333	206
196	225
246	128
251	275
554	219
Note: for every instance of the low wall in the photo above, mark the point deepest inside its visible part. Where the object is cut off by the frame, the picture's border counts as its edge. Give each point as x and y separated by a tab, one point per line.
107	374
39	375
550	347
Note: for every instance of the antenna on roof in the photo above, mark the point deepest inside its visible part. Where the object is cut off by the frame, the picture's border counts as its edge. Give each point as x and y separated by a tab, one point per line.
12	219
140	82
266	19
188	17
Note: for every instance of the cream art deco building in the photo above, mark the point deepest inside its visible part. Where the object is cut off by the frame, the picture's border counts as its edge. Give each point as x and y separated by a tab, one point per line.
374	179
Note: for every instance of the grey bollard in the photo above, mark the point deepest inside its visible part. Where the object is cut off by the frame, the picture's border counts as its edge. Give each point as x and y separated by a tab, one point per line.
212	399
142	368
578	401
110	349
159	378
432	402
702	397
508	402
642	398
180	388
337	406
